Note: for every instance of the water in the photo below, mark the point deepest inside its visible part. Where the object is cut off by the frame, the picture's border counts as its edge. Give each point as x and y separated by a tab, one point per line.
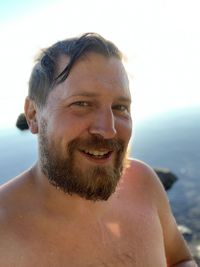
18	151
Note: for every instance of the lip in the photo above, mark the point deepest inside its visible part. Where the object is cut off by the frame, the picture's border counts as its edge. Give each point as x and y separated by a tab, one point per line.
97	161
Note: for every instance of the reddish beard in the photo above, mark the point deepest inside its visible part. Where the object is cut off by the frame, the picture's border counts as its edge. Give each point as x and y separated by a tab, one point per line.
62	170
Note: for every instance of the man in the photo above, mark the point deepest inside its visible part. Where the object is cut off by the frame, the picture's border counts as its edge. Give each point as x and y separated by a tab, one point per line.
84	203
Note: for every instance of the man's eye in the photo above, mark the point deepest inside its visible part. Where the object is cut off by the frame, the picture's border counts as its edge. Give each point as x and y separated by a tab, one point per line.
81	104
121	108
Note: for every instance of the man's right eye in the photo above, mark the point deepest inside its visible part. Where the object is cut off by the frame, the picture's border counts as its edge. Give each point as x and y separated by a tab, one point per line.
81	104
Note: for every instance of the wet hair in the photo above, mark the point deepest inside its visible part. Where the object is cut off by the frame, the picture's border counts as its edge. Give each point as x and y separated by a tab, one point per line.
43	77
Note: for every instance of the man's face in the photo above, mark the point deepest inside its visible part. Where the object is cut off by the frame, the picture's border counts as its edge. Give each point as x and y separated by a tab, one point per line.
85	128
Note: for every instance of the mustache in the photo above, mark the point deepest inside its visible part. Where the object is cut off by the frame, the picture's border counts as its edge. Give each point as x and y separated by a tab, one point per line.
97	142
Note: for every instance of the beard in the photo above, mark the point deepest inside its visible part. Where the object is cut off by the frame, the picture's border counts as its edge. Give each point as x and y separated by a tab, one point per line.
64	172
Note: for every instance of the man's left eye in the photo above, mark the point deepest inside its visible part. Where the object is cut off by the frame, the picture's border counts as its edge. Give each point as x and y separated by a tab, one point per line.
121	108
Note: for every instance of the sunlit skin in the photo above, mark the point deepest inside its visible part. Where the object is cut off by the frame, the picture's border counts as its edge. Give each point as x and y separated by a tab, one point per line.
43	226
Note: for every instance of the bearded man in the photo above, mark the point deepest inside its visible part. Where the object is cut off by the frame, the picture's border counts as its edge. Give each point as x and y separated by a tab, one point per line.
84	203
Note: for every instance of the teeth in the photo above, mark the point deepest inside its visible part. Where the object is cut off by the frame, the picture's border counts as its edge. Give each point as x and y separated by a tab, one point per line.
96	152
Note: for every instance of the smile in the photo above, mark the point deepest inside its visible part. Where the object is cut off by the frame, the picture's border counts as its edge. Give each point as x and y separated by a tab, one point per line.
97	153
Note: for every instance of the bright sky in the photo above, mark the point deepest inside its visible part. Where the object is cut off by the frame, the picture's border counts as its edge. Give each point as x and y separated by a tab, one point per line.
161	39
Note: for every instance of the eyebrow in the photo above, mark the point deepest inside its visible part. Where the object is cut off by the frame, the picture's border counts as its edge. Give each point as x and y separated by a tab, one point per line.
88	94
124	99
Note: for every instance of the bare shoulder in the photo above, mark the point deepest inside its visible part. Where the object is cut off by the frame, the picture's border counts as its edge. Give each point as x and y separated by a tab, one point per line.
140	172
143	175
14	197
13	210
175	246
13	190
143	181
139	167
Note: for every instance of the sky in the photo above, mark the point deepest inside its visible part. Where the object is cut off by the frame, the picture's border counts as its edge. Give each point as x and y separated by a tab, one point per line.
160	39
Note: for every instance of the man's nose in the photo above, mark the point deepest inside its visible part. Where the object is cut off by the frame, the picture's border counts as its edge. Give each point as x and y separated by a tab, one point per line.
104	124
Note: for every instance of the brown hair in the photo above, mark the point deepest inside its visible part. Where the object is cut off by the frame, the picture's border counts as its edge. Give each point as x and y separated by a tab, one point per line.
43	77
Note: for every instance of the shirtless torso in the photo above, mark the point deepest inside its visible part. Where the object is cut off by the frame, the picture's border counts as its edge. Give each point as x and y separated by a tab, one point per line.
40	226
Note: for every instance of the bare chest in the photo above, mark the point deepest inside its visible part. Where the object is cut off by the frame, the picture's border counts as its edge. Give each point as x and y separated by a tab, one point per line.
126	238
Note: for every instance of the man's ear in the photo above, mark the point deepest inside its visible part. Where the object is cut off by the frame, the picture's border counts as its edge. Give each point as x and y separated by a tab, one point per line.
31	110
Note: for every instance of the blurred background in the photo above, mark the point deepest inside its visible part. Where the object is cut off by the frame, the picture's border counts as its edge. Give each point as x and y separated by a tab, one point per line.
161	43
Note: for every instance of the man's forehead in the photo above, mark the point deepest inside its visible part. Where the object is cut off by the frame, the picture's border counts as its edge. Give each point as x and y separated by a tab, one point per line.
90	73
63	60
